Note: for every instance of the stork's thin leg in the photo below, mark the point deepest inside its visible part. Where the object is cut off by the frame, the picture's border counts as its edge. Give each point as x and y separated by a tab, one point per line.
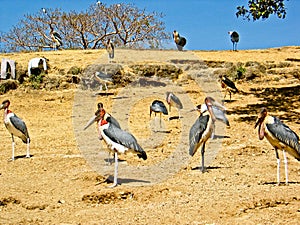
278	166
230	95
116	171
202	157
179	114
160	120
286	168
28	147
13	147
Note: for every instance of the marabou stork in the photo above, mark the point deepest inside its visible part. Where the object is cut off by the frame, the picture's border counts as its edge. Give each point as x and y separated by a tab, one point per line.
202	129
179	41
228	85
96	118
110	48
280	137
16	127
158	106
219	112
234	36
56	38
103	78
173	100
118	141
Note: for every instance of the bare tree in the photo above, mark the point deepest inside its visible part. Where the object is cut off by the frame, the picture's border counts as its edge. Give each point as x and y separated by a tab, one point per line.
125	24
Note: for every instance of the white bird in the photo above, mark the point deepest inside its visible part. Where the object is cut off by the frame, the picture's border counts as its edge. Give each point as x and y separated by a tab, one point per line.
280	137
118	141
234	36
16	127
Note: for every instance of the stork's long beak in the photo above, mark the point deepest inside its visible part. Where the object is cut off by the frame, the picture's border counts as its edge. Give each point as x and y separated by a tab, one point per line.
2	106
258	121
219	105
90	122
209	107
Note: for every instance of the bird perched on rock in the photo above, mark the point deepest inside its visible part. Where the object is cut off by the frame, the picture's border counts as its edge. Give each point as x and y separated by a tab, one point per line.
280	136
16	127
228	85
179	41
235	37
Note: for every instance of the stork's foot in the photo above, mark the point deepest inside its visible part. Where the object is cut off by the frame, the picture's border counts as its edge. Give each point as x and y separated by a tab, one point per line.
28	156
113	185
11	160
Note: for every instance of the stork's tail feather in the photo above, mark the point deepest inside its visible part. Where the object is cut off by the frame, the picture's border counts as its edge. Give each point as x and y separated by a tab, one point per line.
142	155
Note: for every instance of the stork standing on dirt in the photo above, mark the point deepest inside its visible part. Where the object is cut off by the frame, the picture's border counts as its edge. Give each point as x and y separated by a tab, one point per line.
96	118
158	106
179	41
174	101
235	37
118	141
280	137
16	127
228	85
110	48
203	128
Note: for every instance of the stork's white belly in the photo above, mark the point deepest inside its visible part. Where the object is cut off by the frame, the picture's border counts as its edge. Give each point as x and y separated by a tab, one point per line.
113	145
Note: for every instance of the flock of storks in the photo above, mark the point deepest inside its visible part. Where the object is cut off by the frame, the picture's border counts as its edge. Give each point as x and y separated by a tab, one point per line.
119	141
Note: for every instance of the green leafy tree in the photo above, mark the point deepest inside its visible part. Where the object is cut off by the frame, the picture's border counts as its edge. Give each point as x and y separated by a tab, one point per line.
262	9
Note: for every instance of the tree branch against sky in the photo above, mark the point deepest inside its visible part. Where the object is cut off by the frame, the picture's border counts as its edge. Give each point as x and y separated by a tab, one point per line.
262	9
125	24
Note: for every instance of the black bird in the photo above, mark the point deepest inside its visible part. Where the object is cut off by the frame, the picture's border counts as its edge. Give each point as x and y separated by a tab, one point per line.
158	106
235	37
16	127
280	137
228	85
179	41
202	129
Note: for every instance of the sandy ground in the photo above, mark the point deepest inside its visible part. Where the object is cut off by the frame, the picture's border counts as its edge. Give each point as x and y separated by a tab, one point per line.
58	184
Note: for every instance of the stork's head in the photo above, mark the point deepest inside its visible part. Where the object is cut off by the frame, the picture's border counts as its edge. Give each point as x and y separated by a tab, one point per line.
261	116
100	105
99	114
5	104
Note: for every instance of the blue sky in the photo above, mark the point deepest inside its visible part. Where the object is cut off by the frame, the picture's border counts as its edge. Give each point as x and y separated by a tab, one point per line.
204	23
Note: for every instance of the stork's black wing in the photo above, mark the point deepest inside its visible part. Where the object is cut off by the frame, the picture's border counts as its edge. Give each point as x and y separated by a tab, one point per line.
159	106
229	83
284	134
20	125
196	132
177	101
124	138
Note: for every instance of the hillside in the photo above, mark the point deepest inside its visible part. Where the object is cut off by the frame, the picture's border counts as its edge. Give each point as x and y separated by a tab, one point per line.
65	181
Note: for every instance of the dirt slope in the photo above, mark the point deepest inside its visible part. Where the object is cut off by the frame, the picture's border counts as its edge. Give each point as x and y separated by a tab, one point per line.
59	184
